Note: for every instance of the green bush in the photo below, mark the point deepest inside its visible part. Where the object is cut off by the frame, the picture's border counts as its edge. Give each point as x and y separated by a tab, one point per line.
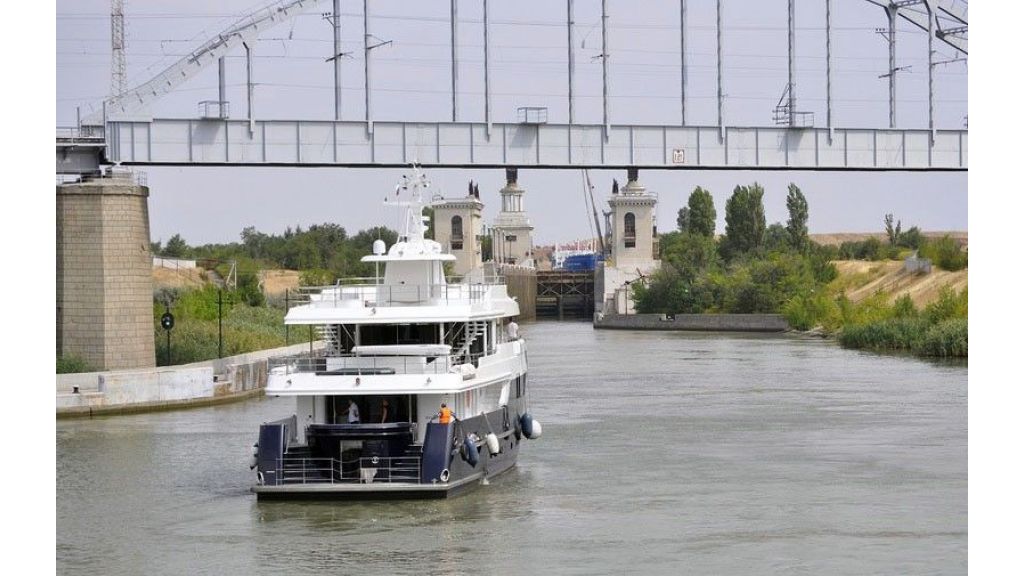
869	310
947	339
904	307
948	305
72	364
200	304
195	334
870	249
902	334
316	277
945	253
808	311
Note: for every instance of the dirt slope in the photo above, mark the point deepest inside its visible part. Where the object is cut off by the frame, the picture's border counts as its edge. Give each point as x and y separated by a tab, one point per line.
868	278
180	278
275	282
838	238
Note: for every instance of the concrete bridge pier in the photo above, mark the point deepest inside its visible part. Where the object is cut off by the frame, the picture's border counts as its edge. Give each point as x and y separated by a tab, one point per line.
105	273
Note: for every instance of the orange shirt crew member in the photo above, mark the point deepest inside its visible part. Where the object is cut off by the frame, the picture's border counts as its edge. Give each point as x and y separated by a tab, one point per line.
445	415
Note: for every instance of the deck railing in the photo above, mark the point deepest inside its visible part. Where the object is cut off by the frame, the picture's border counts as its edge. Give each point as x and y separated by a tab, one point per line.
352	365
359	292
365	470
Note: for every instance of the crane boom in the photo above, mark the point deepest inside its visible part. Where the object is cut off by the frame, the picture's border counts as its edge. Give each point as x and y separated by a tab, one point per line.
133	101
597	222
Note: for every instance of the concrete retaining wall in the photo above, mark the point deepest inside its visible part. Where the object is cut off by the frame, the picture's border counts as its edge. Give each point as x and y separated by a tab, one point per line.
694	322
173	263
168	387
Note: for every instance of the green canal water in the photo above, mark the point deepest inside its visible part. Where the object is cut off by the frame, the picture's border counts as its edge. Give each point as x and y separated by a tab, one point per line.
663	453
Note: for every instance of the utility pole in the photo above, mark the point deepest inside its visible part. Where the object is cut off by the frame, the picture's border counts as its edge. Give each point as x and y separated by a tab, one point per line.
220	323
336	24
604	65
792	65
682	62
367	47
118	66
366	66
718	31
890	11
572	57
828	68
248	87
222	87
455	60
487	69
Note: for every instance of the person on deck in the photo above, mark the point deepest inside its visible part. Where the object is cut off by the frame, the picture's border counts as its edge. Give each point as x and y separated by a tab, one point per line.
512	330
384	411
353	412
445	416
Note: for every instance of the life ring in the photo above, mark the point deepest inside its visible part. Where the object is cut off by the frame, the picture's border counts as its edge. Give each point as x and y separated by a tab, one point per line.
445	474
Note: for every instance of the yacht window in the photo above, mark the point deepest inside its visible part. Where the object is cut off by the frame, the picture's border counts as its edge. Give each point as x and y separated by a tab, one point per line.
387	334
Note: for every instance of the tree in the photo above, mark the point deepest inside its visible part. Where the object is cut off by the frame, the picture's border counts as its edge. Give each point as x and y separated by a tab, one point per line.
429	213
776	238
689	254
911	238
176	247
893	233
744	221
702	212
683	219
796	226
486	248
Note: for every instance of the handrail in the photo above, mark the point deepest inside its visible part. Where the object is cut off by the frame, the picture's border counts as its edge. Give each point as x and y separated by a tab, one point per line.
309	470
387	295
370	365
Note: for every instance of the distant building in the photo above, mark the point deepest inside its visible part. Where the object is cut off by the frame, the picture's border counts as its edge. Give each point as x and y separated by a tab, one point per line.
633	241
457	228
512	233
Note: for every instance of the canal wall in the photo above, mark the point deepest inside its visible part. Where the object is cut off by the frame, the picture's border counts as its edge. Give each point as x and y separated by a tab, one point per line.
168	387
521	283
693	322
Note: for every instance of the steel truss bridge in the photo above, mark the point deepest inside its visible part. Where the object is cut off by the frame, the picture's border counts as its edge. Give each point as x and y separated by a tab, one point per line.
125	133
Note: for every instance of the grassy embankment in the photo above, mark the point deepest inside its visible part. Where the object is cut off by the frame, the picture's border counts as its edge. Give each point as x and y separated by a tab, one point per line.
882	315
194	337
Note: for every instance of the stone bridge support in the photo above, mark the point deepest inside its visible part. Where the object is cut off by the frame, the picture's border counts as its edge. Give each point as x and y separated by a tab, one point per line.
105	273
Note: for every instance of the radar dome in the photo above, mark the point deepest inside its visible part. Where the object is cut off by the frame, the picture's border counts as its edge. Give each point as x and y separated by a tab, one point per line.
379	247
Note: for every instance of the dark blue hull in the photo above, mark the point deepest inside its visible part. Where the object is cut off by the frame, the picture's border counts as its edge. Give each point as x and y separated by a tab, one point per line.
446	468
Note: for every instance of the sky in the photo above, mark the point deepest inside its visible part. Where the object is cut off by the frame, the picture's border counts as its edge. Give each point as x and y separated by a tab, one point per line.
411	81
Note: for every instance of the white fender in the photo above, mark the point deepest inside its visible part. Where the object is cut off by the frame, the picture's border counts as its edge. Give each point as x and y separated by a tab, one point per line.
536	430
492	443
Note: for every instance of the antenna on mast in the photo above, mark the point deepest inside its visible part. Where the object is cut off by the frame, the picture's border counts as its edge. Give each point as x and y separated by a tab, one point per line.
415	220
